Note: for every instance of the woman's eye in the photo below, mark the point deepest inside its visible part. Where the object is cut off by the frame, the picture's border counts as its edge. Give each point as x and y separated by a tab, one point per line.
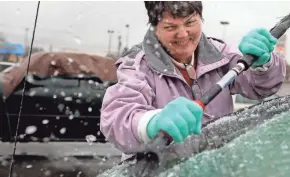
190	23
169	28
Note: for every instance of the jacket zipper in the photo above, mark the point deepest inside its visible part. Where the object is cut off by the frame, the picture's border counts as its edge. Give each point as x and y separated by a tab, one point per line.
194	83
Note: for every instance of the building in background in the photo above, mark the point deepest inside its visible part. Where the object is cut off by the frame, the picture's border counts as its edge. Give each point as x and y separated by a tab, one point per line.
10	53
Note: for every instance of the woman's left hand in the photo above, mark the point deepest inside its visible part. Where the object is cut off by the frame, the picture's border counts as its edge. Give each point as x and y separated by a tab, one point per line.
258	42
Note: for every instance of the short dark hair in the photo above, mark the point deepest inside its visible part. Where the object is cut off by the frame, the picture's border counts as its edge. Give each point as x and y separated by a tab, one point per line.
182	9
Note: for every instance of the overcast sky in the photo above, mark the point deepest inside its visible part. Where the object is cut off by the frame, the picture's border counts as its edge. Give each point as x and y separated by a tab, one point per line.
83	25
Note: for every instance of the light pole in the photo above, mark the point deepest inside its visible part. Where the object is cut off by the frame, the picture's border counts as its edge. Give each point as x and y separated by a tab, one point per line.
119	45
127	37
110	40
224	24
26	45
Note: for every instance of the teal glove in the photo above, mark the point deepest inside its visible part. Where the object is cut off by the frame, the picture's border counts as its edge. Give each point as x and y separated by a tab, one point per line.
258	42
179	118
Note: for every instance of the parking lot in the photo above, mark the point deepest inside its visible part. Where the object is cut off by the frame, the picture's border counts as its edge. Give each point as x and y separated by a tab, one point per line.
57	159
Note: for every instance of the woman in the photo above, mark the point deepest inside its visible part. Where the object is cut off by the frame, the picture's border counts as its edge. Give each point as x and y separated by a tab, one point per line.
175	64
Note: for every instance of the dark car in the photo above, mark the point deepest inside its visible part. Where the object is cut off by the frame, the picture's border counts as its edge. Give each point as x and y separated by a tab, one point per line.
62	97
58	114
61	108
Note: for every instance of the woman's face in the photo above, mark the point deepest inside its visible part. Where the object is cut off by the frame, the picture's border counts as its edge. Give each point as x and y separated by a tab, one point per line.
180	36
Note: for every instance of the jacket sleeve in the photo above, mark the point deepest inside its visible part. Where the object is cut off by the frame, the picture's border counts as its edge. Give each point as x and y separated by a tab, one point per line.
260	82
127	106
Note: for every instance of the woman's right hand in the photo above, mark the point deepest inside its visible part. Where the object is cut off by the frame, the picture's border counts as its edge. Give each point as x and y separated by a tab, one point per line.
179	118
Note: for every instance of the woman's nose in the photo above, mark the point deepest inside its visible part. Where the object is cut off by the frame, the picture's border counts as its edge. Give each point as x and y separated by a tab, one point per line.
182	32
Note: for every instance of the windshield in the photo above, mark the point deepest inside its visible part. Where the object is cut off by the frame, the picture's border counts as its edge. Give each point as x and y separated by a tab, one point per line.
58	59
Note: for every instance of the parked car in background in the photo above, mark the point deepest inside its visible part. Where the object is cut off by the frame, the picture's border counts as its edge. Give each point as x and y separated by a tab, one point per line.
243	102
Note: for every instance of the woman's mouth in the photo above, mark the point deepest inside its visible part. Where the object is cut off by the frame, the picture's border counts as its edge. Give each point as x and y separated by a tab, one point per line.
182	43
